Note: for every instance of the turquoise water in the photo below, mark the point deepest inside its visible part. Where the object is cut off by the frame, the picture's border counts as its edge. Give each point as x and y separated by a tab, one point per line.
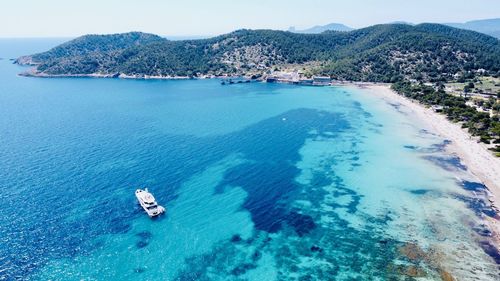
260	181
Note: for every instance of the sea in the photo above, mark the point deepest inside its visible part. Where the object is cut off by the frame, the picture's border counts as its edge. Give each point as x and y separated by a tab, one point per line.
260	182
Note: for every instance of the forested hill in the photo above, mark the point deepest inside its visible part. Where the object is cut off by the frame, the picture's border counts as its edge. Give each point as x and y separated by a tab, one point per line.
92	46
427	52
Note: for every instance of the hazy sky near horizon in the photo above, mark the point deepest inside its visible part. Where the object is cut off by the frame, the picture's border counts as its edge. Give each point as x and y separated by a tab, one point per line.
69	18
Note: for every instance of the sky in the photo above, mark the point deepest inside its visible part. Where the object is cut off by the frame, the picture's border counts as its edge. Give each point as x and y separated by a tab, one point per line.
71	18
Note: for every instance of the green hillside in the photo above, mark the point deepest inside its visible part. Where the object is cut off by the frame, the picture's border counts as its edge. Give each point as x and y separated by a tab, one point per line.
385	53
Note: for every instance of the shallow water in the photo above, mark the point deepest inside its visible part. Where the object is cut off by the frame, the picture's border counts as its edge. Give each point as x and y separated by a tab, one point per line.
260	181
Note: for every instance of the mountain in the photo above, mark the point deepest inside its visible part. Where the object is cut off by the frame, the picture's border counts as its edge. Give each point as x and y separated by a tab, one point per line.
488	26
401	22
322	28
390	52
101	47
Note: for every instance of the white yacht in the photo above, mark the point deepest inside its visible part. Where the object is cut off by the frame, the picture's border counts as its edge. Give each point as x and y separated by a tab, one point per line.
148	202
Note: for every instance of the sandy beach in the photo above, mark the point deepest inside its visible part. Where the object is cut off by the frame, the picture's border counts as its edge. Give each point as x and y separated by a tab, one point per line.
478	159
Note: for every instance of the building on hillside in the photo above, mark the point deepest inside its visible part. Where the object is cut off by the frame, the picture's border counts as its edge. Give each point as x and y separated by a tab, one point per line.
271	79
306	81
437	108
288	77
481	71
321	80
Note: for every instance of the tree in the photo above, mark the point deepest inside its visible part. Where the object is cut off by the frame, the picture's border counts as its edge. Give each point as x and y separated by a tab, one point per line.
466	90
496	108
441	87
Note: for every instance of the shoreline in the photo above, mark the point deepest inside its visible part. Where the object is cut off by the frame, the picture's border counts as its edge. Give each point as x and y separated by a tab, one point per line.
479	161
99	75
33	73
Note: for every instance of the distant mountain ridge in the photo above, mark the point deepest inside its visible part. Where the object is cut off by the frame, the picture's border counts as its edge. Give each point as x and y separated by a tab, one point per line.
487	26
380	53
322	28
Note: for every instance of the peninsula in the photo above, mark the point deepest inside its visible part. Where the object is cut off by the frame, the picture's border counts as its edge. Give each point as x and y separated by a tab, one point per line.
380	53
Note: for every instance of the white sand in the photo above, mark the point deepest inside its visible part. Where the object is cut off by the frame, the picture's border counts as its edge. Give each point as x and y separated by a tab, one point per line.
479	160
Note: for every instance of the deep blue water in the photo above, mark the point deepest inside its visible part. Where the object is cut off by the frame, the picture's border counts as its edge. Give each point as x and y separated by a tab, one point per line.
261	182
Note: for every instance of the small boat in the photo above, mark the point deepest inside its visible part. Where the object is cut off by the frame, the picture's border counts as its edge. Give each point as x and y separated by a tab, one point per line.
148	203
